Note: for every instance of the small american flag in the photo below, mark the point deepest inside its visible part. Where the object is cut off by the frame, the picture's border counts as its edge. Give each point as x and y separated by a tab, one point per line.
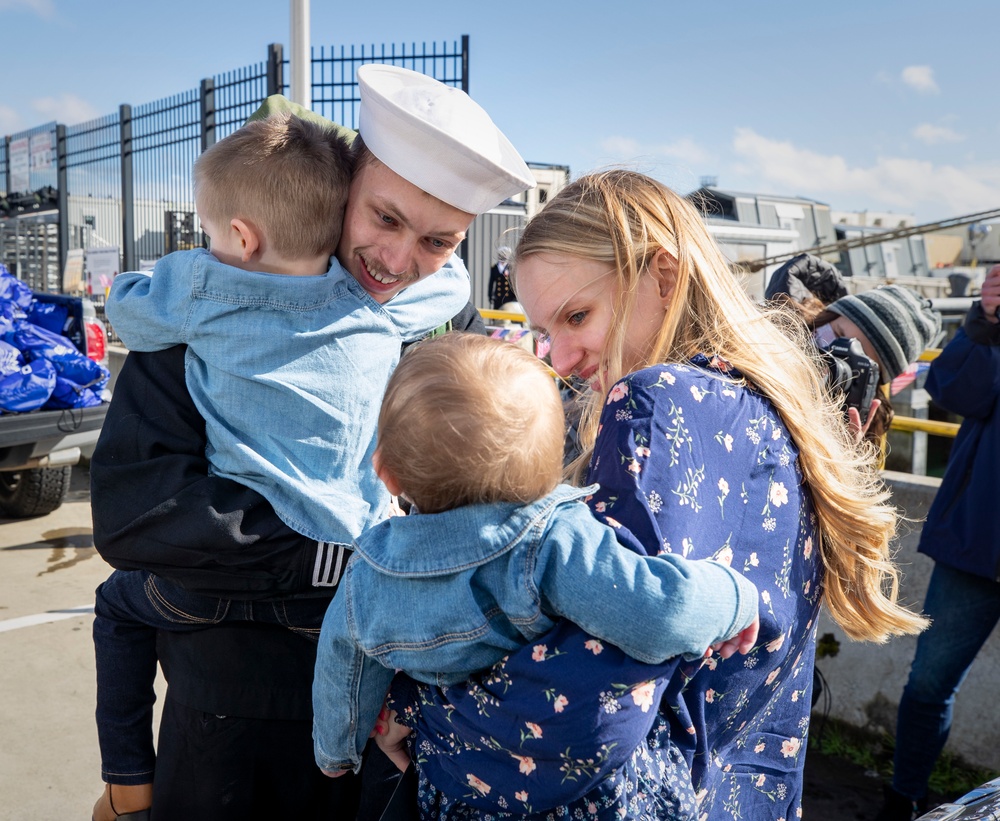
907	377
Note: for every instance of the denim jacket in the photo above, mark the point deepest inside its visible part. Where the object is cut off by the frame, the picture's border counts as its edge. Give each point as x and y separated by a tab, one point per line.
288	372
443	595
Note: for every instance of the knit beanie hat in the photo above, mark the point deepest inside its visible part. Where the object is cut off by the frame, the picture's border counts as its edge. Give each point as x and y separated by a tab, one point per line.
899	323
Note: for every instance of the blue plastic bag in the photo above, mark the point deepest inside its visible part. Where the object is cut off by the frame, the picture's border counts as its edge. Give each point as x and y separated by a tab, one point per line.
38	343
29	388
10	358
7	311
13	290
68	394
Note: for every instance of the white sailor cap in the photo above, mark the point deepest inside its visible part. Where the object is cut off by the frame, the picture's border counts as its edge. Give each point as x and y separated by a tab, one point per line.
438	138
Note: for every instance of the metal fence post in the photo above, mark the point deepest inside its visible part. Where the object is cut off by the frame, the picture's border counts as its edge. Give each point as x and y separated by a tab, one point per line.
128	190
62	202
275	69
465	63
207	113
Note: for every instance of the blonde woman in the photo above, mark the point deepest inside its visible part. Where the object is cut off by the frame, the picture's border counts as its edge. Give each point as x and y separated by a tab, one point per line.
711	436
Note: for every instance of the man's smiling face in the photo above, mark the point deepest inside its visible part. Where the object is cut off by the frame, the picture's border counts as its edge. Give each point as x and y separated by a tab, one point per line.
395	234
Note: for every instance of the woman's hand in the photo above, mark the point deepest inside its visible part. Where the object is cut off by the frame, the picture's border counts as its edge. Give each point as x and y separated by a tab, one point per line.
854	420
389	736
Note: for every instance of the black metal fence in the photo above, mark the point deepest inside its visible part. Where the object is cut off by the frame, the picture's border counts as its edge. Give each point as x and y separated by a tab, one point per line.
124	180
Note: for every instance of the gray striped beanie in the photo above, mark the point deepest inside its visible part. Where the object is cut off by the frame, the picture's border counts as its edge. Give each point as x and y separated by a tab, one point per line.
898	322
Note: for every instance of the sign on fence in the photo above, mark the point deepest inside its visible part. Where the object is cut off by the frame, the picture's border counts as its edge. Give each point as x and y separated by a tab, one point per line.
101	267
42	151
20	165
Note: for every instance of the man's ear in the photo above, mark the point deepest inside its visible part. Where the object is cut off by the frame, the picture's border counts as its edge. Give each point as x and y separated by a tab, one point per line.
383	473
663	267
249	238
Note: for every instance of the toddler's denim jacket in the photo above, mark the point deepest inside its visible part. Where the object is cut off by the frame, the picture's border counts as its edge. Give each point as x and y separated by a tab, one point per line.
442	595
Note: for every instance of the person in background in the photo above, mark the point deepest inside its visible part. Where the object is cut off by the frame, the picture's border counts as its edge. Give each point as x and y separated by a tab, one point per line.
961	535
214	536
710	435
500	289
893	324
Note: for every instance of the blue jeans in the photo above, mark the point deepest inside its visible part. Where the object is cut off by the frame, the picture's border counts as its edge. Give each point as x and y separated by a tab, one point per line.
130	607
964	609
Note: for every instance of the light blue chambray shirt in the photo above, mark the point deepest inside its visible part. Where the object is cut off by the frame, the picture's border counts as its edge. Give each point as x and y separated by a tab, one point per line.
288	372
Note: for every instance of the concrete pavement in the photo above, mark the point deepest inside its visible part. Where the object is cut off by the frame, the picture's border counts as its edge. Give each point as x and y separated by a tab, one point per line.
49	760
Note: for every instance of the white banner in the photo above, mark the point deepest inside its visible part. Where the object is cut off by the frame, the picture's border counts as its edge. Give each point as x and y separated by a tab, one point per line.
20	166
42	151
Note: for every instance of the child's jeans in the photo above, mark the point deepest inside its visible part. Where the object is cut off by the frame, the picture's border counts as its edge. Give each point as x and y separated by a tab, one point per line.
130	607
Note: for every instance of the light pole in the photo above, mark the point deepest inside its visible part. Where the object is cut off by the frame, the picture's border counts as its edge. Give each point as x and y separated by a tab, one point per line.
301	57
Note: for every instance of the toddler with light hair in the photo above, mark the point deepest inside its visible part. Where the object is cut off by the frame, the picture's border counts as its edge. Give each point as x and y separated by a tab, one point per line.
495	549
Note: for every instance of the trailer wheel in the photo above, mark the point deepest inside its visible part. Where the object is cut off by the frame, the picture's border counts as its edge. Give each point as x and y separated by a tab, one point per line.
33	492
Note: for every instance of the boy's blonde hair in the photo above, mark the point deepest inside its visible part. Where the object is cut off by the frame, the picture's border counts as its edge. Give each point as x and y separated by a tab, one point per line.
623	218
287	176
467	419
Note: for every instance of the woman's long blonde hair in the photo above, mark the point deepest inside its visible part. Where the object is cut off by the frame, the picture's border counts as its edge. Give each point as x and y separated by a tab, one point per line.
624	218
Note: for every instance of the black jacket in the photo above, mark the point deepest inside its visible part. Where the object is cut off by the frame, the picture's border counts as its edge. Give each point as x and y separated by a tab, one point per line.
206	533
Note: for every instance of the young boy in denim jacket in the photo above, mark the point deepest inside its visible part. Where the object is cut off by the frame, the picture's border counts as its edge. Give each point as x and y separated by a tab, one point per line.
498	550
288	354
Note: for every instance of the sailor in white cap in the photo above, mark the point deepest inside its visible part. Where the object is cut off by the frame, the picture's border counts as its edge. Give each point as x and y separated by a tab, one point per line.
429	160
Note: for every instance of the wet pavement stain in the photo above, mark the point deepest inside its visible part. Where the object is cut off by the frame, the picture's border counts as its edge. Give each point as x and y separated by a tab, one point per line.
69	545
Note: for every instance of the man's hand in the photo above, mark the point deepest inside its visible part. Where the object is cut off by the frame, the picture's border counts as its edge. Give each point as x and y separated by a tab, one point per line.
990	294
742	642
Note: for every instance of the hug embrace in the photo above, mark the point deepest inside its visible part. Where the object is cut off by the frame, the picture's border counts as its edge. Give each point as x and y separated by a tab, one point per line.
638	646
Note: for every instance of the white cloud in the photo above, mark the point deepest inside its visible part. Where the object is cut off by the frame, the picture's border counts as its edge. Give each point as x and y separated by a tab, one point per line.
9	120
920	78
43	8
67	109
936	134
896	183
683	150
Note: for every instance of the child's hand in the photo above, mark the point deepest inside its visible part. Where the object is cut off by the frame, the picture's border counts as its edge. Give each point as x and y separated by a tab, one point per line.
335	773
742	642
389	736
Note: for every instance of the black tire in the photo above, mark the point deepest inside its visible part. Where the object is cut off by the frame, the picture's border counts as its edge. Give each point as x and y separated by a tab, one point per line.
33	492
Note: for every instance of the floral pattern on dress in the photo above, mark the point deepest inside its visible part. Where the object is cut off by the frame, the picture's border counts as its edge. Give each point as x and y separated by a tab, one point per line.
690	459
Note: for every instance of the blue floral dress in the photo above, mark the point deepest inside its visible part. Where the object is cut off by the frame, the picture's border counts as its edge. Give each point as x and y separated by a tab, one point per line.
690	459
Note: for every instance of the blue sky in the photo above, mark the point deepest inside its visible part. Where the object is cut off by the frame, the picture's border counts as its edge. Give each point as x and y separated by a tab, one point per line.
881	105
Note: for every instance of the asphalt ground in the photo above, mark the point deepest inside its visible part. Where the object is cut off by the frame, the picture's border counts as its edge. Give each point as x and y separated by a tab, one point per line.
49	569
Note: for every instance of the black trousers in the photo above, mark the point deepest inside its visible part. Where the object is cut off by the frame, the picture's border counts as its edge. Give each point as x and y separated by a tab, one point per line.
211	768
